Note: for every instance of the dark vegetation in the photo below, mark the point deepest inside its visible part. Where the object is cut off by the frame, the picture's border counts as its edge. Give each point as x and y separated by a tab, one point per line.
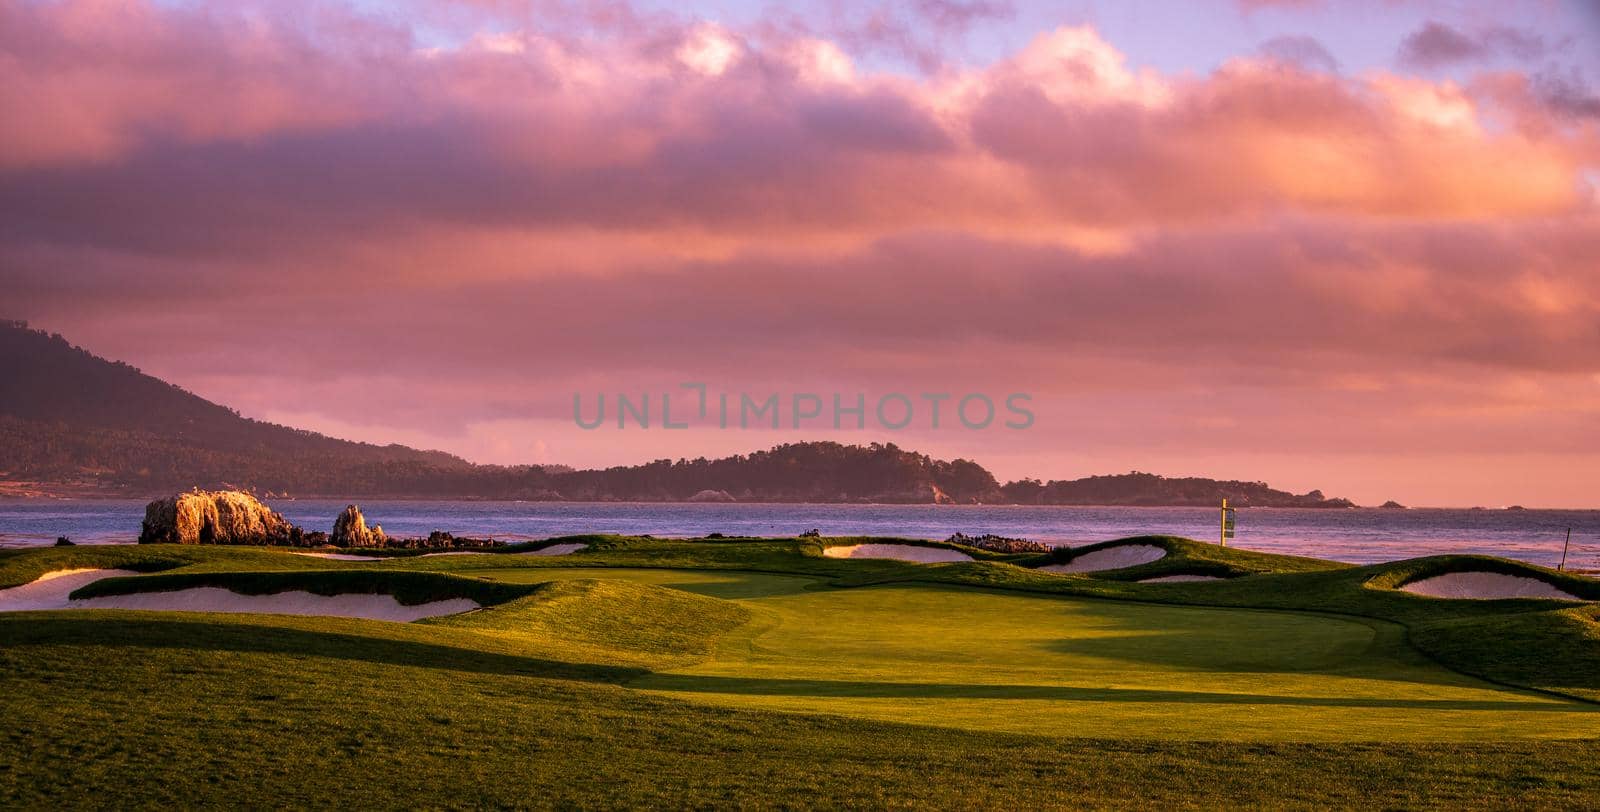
1141	489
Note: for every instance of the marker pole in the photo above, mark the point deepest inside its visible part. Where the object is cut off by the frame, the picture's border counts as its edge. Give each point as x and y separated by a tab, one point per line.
1564	550
1222	531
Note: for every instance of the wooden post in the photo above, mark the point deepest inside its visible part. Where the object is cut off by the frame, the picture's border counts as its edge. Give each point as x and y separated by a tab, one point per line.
1564	550
1222	532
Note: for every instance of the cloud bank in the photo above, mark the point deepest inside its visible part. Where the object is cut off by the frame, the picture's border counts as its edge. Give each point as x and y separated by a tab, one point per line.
1270	266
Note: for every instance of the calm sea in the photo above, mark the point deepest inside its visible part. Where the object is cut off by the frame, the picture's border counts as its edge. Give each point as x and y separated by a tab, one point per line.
1358	536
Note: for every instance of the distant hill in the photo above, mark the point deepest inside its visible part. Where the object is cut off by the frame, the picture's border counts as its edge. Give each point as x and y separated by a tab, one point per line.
797	472
68	417
1139	489
72	422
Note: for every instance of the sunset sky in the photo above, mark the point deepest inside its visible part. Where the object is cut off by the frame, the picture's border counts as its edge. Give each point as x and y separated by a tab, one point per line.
1348	245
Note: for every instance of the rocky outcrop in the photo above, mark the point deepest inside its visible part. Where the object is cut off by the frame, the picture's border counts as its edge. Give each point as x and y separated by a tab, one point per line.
441	540
1000	544
215	517
350	530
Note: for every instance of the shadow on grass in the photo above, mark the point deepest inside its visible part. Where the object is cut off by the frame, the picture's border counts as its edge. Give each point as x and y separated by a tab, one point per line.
39	629
725	584
1062	693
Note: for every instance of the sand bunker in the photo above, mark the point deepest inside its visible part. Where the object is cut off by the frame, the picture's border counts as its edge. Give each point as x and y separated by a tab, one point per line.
1110	558
50	591
556	549
901	552
1178	579
214	599
454	552
1487	586
342	556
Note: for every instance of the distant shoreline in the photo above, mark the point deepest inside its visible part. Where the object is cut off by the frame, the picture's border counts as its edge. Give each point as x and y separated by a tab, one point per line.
7	495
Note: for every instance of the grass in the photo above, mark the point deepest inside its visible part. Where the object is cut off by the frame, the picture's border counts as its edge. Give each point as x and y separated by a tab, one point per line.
120	709
1185	556
759	673
613	622
994	661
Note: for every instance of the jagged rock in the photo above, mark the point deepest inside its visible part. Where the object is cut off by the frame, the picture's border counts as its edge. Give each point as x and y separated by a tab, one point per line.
350	530
215	517
709	495
1000	544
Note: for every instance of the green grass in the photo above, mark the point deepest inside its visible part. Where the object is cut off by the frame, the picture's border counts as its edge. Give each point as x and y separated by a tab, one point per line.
760	673
1005	662
133	709
1185	556
591	621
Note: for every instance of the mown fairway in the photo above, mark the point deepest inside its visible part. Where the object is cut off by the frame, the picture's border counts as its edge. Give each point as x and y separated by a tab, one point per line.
989	660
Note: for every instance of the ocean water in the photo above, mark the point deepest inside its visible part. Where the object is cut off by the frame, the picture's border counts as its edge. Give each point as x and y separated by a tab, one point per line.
1359	536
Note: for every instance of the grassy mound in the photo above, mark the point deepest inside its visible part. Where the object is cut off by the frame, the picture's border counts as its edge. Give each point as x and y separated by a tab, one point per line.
1556	650
1188	557
1397	574
589	620
18	567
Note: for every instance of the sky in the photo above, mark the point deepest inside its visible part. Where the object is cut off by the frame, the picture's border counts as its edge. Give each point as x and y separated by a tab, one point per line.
1352	246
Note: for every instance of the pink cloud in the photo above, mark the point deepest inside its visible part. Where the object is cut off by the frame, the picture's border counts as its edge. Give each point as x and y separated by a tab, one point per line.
1264	261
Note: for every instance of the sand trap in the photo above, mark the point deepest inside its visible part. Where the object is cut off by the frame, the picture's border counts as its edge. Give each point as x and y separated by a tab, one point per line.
1487	586
456	552
214	599
342	556
1110	558
50	590
556	549
1178	579
901	552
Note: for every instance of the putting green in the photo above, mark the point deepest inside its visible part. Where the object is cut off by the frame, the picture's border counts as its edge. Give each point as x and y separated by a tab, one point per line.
991	660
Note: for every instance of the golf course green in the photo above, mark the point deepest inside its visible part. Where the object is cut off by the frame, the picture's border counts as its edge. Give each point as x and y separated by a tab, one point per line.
760	672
